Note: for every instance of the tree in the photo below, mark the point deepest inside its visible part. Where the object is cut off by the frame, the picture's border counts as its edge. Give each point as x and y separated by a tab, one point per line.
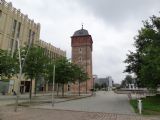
127	80
34	66
80	75
66	72
97	86
145	61
8	66
63	72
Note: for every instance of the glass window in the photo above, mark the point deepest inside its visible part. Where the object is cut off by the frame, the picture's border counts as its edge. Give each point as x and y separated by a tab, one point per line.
0	16
29	37
0	13
19	28
33	35
14	27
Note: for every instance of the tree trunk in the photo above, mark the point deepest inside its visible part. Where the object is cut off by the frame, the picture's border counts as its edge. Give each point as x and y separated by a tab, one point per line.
57	89
62	89
30	90
79	87
35	89
86	87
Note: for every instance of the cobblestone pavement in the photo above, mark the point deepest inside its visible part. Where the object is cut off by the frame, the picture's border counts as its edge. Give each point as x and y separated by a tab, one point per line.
7	113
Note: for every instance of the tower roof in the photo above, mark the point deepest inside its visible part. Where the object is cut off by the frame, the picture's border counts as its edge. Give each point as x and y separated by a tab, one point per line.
81	32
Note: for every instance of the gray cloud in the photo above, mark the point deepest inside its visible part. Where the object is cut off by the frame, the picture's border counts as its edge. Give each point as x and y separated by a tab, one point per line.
117	12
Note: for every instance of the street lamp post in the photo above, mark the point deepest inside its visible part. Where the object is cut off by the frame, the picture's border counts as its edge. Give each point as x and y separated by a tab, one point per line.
53	85
20	71
19	77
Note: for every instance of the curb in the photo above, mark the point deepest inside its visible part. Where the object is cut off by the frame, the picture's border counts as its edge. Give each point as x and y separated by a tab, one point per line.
41	102
74	99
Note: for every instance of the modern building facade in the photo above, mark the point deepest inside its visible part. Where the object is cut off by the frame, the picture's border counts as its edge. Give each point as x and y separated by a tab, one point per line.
81	43
106	83
16	26
50	50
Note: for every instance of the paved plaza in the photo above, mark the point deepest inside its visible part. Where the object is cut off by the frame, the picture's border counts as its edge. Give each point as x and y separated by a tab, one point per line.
8	113
103	106
108	102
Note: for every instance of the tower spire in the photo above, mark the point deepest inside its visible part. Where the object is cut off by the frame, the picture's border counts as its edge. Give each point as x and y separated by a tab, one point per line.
82	25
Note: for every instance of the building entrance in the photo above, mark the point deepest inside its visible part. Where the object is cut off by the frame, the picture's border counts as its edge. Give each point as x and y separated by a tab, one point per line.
25	86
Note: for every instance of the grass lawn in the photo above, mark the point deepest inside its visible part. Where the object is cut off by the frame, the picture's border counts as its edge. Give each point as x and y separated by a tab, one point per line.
151	105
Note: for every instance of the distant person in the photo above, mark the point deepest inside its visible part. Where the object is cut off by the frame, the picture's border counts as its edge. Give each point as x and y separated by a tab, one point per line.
14	93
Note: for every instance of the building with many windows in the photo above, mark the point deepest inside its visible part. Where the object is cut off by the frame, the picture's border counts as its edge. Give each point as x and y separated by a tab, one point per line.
105	83
16	26
52	51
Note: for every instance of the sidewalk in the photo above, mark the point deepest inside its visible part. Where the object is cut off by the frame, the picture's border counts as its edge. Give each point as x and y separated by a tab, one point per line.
38	99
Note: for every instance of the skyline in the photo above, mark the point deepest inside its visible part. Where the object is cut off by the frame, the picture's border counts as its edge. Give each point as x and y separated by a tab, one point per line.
112	24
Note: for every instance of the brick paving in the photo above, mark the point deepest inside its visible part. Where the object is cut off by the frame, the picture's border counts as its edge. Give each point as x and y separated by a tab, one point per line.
7	113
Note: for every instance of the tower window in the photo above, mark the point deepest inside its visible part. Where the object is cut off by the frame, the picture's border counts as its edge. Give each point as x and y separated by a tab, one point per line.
80	50
80	59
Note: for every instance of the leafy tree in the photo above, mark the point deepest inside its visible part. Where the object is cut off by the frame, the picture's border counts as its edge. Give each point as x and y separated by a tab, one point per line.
127	80
80	75
66	72
48	72
63	72
97	86
8	66
34	66
145	61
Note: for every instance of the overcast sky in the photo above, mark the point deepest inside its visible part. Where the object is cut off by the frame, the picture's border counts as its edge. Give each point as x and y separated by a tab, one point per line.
112	24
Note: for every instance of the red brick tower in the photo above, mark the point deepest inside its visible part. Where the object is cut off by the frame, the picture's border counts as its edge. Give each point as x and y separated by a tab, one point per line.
81	43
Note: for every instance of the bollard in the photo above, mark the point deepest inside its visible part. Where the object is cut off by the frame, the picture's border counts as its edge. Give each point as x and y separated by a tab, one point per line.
140	106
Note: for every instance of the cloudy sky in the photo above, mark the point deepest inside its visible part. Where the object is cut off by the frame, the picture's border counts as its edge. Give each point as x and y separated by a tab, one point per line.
112	24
